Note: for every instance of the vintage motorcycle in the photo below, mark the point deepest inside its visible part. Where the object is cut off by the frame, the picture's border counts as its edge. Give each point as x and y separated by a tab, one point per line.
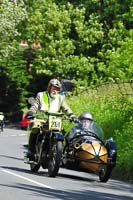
48	151
87	152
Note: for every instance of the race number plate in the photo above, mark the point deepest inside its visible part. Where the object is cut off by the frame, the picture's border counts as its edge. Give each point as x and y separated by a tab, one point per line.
54	123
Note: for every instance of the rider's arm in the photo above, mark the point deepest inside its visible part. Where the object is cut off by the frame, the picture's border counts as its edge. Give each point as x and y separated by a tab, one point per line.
74	130
71	134
36	105
65	107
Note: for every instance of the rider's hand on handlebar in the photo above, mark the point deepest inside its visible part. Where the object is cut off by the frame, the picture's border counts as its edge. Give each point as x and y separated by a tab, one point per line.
73	118
30	115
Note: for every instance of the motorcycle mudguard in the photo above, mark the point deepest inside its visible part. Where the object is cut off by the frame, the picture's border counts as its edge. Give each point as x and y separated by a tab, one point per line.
59	136
111	147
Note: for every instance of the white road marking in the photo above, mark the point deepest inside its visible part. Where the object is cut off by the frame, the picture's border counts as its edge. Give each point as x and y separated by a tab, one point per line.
13	135
27	179
23	134
4	136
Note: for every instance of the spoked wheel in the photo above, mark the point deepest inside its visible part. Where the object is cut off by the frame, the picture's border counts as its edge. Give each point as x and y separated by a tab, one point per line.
55	159
105	174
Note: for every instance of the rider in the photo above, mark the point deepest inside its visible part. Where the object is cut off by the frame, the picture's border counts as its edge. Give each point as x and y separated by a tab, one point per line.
50	100
84	123
1	120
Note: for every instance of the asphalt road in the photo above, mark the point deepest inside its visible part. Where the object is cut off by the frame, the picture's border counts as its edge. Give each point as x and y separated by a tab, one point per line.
18	183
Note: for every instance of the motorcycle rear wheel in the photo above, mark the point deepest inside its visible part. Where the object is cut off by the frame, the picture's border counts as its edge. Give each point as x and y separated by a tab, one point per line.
55	159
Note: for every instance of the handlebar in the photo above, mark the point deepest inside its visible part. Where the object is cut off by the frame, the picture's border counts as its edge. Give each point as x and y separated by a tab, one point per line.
44	113
51	113
75	120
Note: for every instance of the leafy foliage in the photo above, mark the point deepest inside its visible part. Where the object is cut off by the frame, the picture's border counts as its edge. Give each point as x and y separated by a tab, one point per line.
88	42
12	87
79	40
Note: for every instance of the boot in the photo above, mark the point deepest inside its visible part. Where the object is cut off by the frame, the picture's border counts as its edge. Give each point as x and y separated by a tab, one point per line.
31	146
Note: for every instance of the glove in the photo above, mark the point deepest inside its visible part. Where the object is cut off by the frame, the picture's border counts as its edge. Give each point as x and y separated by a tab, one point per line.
73	118
30	115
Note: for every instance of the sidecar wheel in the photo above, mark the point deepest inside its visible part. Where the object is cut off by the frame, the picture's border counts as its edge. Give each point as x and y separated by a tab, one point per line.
105	174
55	159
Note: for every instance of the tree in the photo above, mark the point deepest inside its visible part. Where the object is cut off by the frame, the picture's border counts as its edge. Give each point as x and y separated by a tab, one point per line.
87	42
77	37
121	61
12	78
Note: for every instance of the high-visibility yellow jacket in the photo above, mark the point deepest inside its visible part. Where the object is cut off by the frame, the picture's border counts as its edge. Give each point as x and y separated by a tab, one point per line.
44	102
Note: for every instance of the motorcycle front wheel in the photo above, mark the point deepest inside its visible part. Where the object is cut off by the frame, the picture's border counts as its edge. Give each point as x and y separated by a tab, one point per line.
55	159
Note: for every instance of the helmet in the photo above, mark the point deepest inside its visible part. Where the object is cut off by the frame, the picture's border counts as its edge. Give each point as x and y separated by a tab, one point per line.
86	115
54	82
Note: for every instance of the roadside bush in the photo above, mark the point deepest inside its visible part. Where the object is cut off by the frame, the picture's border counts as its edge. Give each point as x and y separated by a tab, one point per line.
113	111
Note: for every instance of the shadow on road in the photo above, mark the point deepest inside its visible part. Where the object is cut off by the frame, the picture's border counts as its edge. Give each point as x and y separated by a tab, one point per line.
47	193
15	158
45	173
16	169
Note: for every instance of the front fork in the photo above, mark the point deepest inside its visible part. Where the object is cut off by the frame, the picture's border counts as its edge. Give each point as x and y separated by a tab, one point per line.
54	137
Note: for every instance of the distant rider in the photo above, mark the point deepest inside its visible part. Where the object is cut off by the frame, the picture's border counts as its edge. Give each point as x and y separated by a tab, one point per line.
1	120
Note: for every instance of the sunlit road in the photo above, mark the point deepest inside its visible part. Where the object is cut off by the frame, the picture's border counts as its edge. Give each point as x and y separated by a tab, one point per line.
17	183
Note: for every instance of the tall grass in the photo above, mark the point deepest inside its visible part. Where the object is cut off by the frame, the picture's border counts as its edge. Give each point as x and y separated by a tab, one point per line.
113	111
